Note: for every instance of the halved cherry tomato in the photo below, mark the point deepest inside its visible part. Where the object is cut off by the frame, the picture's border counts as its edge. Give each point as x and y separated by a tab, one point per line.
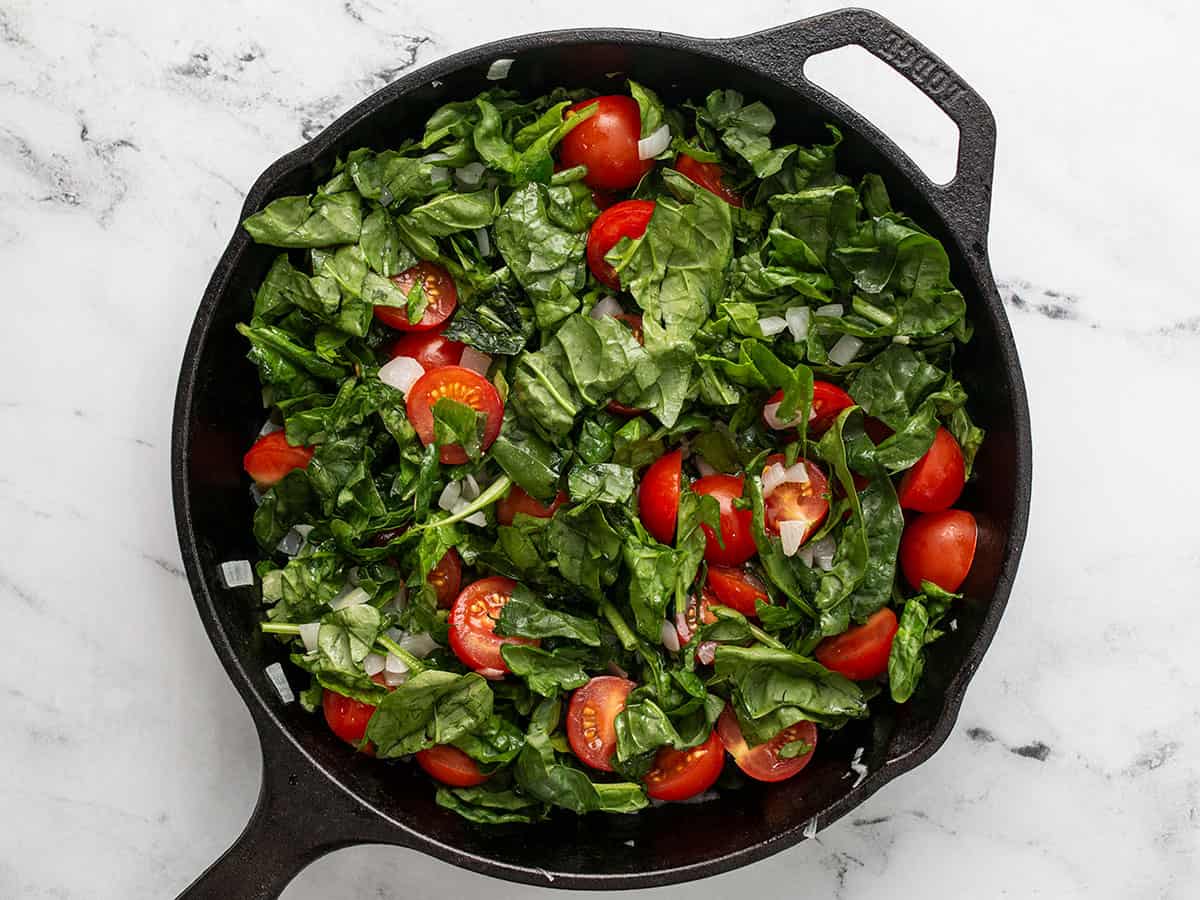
429	348
862	652
709	176
272	457
446	578
346	717
473	617
658	496
518	501
737	589
441	298
736	524
449	765
763	763
607	143
635	325
591	719
462	385
698	612
828	401
939	547
937	478
679	774
628	218
798	502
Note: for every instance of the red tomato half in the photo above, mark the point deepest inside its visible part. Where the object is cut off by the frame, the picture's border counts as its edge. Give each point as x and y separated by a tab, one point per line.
347	718
937	478
626	219
736	524
518	501
473	623
635	325
441	297
607	143
708	175
428	348
698	613
862	652
451	766
794	501
828	401
737	589
462	385
939	547
763	762
272	457
658	496
591	718
679	774
446	578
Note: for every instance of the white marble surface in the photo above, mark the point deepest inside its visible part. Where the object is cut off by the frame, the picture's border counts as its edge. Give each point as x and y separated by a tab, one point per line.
128	134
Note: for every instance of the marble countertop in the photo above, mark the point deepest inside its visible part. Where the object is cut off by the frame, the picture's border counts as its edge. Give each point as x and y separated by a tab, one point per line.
127	140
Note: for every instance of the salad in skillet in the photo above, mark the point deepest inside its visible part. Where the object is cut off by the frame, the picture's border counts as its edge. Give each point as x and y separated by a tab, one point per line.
607	440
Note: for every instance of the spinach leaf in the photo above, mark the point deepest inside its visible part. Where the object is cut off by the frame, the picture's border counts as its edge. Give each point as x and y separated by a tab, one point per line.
525	616
268	342
496	743
487	804
528	460
320	220
906	661
456	424
392	178
451	212
893	384
541	775
601	483
288	503
430	708
547	673
585	547
744	129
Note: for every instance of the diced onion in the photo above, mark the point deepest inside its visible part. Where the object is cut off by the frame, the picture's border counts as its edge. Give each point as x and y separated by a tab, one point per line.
772	325
654	144
469	175
291	543
237	573
395	664
791	533
773	476
439	175
394	679
900	338
279	679
823	551
670	637
353	597
437	156
830	310
373	664
844	351
954	624
483	242
498	70
269	427
401	373
810	828
451	496
771	415
805	555
797	473
475	361
707	652
470	490
704	468
420	644
308	634
798	319
477	518
606	306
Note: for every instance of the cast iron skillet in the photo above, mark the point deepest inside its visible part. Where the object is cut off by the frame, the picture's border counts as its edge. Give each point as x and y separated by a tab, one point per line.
317	795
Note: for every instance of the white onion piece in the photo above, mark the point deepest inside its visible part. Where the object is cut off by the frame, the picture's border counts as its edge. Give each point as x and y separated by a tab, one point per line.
843	352
900	338
797	473
394	679
237	573
823	551
401	373
401	599
773	476
470	489
451	496
373	664
798	319
272	585
606	306
791	533
810	828
477	518
354	597
771	415
308	634
772	325
419	645
256	494
395	664
704	468
469	175
830	310
655	143
291	543
954	624
279	679
707	652
670	637
498	70
269	427
437	156
439	175
805	555
475	361
483	242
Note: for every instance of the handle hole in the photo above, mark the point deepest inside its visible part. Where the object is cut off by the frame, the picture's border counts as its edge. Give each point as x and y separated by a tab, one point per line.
893	104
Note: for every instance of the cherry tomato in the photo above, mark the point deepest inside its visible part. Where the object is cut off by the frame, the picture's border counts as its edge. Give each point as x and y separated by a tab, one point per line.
518	501
462	385
635	325
828	401
473	623
937	478
347	718
679	774
449	765
798	502
939	547
272	457
441	298
591	717
607	143
446	578
708	175
698	612
429	348
736	524
628	218
862	652
737	589
763	763
658	496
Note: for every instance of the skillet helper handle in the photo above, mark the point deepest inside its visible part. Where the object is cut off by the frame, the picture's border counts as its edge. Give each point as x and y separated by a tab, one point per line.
783	51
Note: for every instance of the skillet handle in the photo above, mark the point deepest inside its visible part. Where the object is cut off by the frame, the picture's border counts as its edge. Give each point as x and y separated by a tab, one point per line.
782	53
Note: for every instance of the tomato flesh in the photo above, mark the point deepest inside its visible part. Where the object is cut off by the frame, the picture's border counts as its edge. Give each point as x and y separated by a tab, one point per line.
709	176
517	500
698	612
441	298
939	547
795	501
272	457
628	218
680	774
861	653
607	143
737	589
449	765
346	717
430	348
763	763
463	385
936	479
446	578
473	617
591	719
658	496
736	524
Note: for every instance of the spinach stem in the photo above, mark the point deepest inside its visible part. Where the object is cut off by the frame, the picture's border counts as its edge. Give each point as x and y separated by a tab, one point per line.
495	491
871	311
763	638
624	634
414	664
280	628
